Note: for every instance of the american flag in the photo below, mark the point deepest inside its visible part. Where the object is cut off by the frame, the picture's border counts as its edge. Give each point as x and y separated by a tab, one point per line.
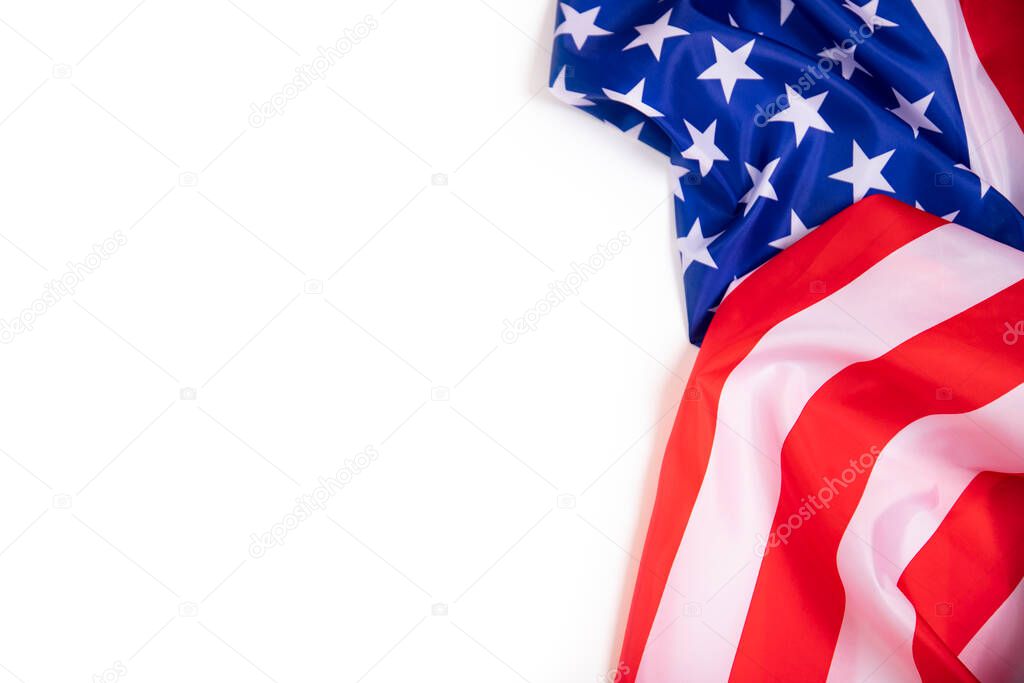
842	496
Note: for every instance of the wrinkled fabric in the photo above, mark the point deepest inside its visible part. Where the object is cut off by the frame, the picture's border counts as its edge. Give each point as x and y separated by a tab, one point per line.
931	169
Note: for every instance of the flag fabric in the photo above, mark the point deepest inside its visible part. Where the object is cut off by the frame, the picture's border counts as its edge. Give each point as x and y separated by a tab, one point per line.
777	114
842	496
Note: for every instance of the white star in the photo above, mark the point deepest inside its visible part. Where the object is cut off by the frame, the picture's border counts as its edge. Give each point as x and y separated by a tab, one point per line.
634	98
785	9
845	59
678	173
948	217
635	131
580	25
654	35
985	187
694	247
762	186
576	99
732	22
797	231
730	67
868	13
865	173
728	290
912	113
703	150
803	113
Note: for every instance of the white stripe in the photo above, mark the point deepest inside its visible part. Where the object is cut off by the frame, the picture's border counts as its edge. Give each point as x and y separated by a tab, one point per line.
914	483
993	655
923	283
994	139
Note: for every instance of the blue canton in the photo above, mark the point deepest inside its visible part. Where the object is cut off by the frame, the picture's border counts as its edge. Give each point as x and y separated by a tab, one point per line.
775	118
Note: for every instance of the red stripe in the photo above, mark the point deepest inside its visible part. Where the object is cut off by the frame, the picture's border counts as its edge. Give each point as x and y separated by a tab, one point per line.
997	32
968	568
826	260
799	596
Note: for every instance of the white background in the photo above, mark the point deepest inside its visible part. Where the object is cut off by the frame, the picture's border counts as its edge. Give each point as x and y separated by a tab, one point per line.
514	481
